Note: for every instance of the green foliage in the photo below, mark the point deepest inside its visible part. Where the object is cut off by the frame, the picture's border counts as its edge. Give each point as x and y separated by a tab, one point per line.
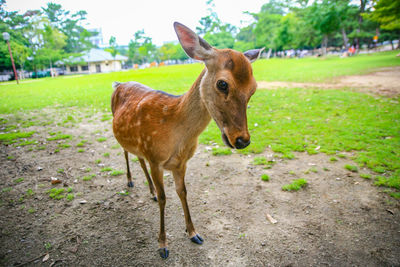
265	177
106	169
70	197
386	13
296	185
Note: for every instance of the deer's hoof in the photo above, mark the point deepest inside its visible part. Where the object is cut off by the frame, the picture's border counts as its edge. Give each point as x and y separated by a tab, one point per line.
163	252
155	198
197	239
130	184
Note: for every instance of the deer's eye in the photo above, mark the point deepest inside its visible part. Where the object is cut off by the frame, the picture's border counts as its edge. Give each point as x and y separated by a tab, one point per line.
222	86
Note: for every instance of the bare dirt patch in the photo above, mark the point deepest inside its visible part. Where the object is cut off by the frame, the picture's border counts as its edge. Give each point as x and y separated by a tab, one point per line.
384	82
339	219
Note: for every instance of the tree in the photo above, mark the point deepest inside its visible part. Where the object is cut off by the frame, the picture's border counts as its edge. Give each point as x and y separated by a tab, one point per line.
267	23
387	14
324	18
216	33
141	49
16	25
210	22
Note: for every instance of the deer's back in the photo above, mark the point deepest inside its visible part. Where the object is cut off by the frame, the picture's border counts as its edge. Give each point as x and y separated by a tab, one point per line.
144	120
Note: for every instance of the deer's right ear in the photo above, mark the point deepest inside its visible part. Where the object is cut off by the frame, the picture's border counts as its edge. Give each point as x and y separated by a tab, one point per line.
194	46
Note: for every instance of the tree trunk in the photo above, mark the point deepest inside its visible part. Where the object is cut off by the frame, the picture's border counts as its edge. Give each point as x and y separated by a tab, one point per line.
345	39
324	44
360	20
398	44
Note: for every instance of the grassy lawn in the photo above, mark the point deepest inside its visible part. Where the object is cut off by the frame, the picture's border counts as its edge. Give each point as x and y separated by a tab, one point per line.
287	120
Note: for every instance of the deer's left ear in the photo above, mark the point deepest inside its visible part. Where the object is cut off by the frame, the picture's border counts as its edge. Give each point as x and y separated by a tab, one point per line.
194	46
253	54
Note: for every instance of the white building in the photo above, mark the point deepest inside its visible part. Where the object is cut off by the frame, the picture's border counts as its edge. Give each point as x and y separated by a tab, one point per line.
94	61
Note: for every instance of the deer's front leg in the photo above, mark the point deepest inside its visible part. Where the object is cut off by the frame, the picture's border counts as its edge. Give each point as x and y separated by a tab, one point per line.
179	177
157	175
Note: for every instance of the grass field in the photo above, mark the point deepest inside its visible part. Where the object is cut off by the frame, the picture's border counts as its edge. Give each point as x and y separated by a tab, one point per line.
287	120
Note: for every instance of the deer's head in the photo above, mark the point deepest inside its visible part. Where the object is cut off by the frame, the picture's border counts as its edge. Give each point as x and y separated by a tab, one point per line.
227	85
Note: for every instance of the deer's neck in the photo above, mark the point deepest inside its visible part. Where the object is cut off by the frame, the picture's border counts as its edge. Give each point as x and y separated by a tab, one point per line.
194	114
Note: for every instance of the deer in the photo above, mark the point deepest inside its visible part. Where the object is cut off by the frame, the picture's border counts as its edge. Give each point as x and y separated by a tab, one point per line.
162	129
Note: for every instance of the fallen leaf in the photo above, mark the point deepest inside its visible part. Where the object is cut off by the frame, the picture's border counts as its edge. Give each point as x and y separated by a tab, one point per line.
55	180
270	219
390	211
46	257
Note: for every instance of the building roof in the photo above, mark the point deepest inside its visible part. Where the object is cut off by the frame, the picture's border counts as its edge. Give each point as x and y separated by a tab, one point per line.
97	55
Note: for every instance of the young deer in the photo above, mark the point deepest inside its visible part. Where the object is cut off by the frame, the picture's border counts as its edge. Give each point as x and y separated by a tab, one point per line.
163	129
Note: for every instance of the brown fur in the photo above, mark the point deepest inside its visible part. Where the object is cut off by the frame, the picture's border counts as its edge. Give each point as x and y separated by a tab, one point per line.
163	129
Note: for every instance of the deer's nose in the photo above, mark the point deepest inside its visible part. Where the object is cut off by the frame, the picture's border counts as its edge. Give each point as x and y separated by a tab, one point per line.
241	143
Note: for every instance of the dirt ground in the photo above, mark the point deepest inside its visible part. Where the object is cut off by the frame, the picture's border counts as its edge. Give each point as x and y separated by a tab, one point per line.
338	219
384	82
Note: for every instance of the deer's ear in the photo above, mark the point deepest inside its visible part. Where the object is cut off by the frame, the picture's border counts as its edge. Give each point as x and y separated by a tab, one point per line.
194	46
253	54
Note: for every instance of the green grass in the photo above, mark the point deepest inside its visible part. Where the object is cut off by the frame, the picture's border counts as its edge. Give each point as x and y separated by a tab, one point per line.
265	177
365	176
8	137
59	137
260	161
321	69
30	192
64	145
351	168
106	169
101	139
392	181
88	177
296	185
19	180
95	90
6	189
70	197
288	120
116	173
56	193
221	151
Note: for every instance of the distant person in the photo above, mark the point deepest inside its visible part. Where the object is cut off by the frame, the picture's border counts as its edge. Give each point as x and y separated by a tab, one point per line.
352	50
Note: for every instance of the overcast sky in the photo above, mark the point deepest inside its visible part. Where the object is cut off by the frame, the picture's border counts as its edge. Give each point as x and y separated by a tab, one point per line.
123	18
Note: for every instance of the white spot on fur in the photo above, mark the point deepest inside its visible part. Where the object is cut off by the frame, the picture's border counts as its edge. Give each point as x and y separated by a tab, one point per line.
148	138
165	109
153	132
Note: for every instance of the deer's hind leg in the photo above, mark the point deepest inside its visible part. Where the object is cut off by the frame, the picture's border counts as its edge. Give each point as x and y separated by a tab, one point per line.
149	180
128	171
